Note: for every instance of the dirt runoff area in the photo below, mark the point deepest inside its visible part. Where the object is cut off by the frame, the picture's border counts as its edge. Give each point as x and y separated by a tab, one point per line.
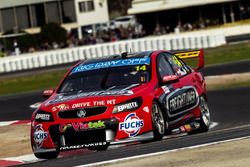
15	140
227	81
231	154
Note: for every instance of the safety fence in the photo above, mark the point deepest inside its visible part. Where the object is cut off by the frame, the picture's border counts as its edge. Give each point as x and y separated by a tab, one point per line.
61	56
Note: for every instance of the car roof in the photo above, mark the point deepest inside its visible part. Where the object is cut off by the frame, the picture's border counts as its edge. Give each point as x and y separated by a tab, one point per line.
117	57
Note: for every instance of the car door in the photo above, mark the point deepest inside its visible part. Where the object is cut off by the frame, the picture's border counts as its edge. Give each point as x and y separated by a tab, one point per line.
185	73
180	96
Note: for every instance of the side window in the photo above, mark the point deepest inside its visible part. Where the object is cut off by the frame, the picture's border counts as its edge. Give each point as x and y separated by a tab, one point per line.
179	67
185	66
163	67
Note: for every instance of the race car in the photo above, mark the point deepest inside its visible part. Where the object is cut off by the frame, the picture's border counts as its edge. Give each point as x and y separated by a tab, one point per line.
121	98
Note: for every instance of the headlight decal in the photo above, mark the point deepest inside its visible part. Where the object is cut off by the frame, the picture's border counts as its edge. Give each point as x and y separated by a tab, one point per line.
45	117
129	105
42	116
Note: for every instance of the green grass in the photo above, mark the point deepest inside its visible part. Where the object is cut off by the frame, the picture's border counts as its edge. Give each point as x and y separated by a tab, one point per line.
30	83
228	85
35	82
228	53
224	54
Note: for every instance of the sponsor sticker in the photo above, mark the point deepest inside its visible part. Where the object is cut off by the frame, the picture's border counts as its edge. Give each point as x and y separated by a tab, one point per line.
45	117
64	127
165	89
113	63
188	128
131	125
60	107
39	135
83	146
182	100
94	103
182	129
79	126
127	106
146	109
196	125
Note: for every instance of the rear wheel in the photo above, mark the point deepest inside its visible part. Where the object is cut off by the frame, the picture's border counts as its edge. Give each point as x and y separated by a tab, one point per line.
205	115
47	155
158	121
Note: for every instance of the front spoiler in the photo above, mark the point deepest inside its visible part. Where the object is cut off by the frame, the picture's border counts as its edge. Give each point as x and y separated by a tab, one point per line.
143	137
42	150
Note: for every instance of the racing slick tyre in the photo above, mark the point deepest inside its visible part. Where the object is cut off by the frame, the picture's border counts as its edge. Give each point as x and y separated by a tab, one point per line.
47	155
158	121
205	115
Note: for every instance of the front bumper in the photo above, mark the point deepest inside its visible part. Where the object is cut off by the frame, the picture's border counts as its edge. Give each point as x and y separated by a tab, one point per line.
75	135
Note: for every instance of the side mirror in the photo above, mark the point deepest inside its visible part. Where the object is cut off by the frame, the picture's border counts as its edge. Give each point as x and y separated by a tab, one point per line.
47	93
170	78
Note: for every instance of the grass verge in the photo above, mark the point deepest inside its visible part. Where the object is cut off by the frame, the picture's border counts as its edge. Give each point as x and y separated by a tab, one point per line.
37	81
228	85
30	83
224	54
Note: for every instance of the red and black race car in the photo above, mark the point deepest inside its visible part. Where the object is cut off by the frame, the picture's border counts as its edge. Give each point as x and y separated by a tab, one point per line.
121	98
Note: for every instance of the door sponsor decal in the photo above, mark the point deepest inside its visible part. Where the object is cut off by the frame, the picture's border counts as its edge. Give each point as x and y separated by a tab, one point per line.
182	100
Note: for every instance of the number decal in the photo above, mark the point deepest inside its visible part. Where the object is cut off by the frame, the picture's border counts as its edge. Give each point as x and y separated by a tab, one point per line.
141	68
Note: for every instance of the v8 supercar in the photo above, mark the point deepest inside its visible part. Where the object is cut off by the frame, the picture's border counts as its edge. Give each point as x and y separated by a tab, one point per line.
121	98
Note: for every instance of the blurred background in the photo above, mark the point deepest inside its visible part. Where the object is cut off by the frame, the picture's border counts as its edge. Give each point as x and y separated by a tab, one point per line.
41	39
37	25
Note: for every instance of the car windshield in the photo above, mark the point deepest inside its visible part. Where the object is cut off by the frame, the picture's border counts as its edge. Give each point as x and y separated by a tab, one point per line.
105	78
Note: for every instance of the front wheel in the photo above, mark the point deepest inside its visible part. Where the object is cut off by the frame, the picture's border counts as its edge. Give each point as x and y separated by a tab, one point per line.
158	121
47	155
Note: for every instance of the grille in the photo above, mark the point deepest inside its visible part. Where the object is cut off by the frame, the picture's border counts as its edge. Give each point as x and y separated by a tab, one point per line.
72	138
76	138
67	114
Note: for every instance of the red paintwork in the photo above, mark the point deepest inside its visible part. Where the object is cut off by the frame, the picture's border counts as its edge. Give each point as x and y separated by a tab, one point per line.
148	91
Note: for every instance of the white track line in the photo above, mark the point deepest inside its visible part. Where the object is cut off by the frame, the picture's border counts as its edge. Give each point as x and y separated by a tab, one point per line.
23	158
6	123
160	153
213	125
31	158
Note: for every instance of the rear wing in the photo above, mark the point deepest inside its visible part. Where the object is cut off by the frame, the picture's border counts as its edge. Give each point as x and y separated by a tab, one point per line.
193	54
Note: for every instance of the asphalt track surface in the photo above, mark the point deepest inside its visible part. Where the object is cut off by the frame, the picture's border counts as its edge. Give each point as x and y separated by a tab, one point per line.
227	68
16	107
230	108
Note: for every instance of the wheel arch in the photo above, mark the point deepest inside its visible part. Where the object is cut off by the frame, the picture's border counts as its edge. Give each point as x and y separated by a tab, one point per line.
162	107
